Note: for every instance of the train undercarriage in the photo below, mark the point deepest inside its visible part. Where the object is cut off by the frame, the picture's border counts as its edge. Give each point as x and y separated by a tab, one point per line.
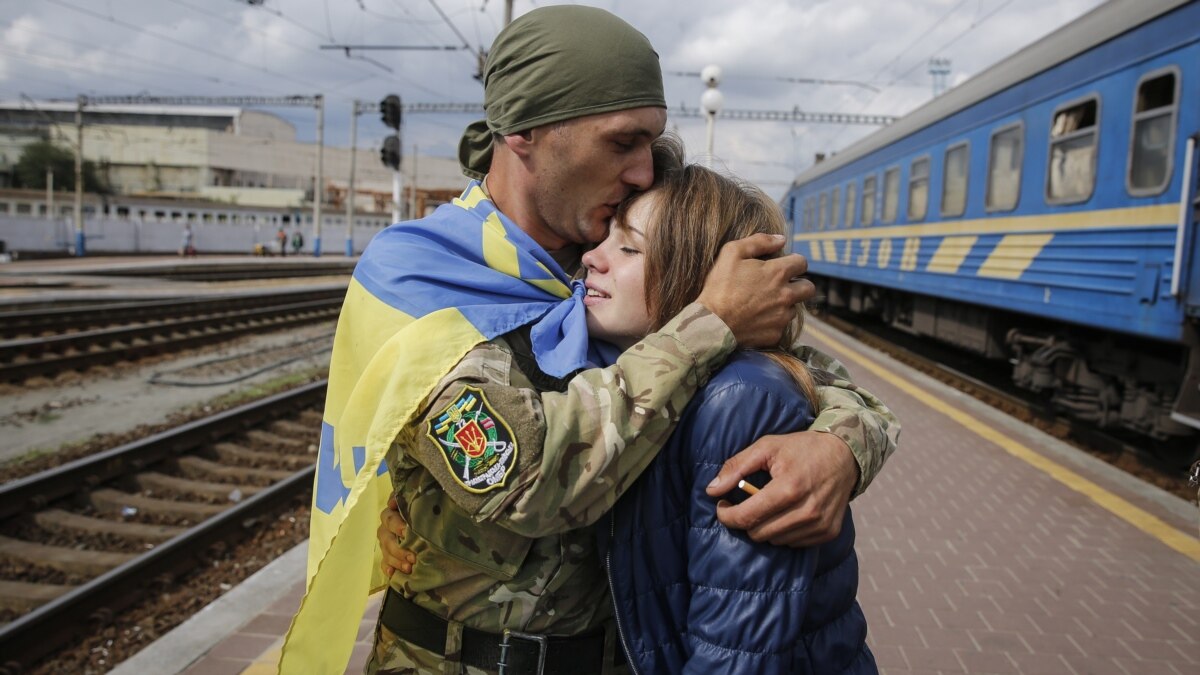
1111	381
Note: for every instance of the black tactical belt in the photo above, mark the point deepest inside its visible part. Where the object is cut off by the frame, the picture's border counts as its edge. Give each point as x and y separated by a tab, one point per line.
511	653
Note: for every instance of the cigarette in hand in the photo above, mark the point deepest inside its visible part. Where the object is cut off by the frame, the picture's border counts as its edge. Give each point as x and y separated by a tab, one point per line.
747	488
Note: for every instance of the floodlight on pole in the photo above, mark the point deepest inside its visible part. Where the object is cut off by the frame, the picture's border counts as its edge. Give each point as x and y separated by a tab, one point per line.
711	101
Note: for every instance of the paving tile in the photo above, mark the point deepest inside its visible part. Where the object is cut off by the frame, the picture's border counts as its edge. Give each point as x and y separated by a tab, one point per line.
947	638
1000	642
267	624
1040	664
943	660
242	646
994	663
1092	665
217	666
895	635
887	656
1149	667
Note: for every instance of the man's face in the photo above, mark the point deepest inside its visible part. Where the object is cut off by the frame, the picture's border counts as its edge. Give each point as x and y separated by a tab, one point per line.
583	168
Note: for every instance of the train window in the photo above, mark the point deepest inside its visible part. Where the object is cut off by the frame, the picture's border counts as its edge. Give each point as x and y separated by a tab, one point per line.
1153	132
835	204
3	207
918	189
868	201
24	208
809	225
1004	168
850	205
955	166
891	194
1071	175
823	219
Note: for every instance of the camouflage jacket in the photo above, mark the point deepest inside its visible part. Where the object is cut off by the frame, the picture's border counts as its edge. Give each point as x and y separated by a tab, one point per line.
498	481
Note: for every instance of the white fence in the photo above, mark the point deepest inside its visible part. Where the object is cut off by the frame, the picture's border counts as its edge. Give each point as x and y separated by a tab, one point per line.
104	235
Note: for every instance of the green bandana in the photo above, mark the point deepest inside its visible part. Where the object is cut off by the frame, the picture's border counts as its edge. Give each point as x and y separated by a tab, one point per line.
558	63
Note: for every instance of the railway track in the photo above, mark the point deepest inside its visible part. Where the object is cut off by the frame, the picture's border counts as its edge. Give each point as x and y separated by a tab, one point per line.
80	542
54	341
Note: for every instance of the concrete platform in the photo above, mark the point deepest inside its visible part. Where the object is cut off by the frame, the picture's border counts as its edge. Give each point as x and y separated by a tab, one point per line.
986	547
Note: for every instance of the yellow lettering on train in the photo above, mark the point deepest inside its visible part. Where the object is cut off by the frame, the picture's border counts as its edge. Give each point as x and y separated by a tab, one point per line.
885	254
865	255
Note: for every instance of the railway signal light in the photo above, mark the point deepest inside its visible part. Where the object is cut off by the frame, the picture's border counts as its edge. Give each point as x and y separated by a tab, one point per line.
390	154
389	109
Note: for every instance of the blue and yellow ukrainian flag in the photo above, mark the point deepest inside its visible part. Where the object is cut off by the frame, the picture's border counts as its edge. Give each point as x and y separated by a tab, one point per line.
424	294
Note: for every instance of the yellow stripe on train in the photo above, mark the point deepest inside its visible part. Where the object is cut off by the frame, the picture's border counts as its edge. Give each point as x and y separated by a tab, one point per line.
1160	215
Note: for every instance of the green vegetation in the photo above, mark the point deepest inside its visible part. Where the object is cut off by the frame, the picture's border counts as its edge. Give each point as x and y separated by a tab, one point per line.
30	170
268	388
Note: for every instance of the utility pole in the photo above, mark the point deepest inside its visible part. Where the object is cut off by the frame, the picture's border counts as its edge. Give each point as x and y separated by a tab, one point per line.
391	110
711	100
412	188
350	188
939	68
508	11
49	193
80	101
319	185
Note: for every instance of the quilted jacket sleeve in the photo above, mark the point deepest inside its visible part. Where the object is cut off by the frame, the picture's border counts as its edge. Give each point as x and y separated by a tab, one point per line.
749	601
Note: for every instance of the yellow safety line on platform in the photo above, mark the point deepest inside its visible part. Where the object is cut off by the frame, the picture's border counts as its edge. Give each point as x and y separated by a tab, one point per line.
1146	522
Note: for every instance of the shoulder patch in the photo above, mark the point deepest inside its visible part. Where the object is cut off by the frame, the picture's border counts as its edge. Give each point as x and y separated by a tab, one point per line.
477	444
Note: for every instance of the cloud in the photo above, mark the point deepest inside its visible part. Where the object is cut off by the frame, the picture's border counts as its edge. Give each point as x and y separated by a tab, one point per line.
50	50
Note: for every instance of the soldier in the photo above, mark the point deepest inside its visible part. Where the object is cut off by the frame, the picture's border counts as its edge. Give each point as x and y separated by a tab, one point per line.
574	101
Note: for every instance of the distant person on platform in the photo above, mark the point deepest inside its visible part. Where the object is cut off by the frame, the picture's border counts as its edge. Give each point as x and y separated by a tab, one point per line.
282	238
187	245
297	241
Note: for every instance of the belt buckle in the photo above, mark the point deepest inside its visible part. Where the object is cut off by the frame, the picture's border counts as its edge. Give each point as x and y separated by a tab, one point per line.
540	640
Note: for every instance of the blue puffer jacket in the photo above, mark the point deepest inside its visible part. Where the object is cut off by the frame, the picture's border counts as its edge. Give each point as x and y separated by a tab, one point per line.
694	597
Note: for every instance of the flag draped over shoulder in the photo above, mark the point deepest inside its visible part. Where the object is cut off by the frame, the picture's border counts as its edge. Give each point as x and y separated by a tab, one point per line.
424	294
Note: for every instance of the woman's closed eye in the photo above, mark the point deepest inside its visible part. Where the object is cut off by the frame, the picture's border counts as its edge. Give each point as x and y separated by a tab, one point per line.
629	250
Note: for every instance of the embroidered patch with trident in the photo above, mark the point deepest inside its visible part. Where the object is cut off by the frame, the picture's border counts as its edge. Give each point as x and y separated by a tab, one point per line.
478	445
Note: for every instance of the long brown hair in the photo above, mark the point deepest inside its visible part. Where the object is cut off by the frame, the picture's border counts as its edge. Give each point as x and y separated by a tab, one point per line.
694	213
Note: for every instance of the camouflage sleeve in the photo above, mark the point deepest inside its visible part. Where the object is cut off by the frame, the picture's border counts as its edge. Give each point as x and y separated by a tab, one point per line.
854	415
573	453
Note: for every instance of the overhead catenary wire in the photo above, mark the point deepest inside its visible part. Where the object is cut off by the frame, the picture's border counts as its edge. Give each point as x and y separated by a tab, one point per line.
269	36
974	24
454	28
140	60
173	41
63	64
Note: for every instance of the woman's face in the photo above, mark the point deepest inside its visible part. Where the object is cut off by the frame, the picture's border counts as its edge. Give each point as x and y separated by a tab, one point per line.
616	290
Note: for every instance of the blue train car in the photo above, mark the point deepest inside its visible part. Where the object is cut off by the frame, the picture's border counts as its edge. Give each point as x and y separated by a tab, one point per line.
1043	212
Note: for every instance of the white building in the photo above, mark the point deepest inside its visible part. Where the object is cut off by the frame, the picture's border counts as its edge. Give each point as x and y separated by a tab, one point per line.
235	155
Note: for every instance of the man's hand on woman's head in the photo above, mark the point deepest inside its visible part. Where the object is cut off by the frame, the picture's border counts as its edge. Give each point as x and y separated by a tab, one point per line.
813	475
756	298
392	527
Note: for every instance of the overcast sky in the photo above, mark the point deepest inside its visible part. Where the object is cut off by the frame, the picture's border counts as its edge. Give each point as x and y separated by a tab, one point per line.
880	48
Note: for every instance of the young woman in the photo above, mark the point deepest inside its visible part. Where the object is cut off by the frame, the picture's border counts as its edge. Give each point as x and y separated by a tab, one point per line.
692	596
500	511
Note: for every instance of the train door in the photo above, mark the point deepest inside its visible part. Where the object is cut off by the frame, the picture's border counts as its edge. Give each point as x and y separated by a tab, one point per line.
1188	239
1187	405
